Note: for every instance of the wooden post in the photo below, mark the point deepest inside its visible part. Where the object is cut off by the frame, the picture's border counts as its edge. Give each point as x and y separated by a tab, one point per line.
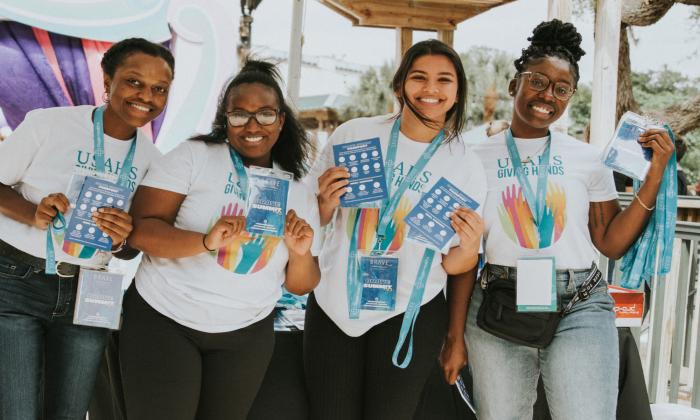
446	36
607	45
296	41
560	9
404	40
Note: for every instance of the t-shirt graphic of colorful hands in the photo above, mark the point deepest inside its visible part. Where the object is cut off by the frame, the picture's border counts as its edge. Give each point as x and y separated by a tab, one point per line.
248	253
518	223
367	227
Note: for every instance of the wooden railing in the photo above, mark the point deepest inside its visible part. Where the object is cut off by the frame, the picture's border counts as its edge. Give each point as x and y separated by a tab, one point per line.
671	356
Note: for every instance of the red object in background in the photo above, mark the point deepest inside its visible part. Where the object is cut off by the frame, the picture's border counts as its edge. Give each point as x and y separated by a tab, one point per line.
629	306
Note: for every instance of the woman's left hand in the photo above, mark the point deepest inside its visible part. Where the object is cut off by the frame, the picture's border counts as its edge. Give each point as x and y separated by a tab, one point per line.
298	235
115	223
453	357
469	228
658	140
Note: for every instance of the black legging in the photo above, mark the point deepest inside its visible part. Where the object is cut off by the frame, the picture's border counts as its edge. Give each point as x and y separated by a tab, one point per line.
172	372
353	378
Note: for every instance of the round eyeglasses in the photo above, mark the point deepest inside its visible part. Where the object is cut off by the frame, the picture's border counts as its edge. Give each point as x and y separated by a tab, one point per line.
539	82
239	118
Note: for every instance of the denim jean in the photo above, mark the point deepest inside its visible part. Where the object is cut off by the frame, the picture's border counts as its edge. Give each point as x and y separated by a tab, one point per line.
47	365
579	368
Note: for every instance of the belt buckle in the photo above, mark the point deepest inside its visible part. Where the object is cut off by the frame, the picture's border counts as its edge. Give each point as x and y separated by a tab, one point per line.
64	270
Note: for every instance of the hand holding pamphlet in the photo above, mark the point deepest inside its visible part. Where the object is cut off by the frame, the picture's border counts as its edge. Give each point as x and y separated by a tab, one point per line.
430	219
365	163
94	193
624	153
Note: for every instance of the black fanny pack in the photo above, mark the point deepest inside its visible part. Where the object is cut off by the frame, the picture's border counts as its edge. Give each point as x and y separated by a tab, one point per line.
498	313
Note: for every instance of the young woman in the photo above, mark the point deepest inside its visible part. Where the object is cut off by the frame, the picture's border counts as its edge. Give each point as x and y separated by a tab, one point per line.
576	213
198	334
48	364
348	359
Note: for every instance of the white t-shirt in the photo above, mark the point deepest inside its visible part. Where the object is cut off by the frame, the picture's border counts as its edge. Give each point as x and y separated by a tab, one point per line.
454	161
576	178
237	285
40	157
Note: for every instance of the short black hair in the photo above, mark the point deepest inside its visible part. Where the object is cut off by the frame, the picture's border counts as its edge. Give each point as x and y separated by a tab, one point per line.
120	51
293	146
553	38
455	118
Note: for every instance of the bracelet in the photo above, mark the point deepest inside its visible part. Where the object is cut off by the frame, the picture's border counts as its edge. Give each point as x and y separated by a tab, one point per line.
642	204
204	237
120	247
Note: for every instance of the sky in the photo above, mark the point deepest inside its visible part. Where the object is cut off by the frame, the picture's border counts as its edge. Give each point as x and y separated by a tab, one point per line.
672	41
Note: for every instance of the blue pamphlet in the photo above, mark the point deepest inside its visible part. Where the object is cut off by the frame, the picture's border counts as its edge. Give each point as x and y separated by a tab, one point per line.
464	393
94	194
366	166
624	153
429	220
379	276
266	207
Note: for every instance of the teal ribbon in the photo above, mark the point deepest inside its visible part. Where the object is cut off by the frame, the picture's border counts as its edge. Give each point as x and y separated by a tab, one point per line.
638	264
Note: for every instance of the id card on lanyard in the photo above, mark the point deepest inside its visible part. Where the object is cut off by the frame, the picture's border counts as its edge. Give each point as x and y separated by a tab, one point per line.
356	261
58	225
99	295
536	287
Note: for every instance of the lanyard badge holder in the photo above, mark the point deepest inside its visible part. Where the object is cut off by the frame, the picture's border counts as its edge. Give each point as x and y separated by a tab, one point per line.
266	203
99	294
536	288
384	269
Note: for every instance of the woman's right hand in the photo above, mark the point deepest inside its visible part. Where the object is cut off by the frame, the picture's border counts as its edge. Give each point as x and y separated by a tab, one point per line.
47	209
224	231
331	185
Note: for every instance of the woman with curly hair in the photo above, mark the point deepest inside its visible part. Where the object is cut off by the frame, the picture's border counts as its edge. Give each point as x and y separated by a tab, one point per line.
542	308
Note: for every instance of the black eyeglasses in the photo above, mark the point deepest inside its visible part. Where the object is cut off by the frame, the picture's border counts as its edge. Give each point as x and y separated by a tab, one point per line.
539	82
239	118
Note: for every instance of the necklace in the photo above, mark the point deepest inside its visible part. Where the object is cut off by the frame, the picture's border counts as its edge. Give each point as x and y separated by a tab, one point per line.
537	153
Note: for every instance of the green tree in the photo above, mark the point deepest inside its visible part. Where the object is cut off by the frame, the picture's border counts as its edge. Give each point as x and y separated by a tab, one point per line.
372	95
488	72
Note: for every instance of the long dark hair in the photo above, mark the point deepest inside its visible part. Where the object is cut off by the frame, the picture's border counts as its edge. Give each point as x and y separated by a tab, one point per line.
293	147
455	118
117	53
553	38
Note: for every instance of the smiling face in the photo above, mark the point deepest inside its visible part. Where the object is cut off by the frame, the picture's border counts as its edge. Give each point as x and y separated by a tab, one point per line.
253	141
431	86
137	93
534	112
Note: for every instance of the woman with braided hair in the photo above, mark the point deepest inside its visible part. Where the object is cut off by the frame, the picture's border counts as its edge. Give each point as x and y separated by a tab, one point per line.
541	308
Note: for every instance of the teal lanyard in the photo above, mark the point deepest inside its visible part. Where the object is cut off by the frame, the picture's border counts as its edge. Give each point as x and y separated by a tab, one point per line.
240	171
58	224
639	263
540	200
354	286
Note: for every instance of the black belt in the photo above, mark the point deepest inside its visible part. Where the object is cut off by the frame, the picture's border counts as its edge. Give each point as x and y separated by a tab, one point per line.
584	292
63	269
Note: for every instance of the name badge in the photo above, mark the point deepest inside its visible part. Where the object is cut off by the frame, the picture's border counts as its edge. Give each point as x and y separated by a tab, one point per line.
536	285
379	274
98	302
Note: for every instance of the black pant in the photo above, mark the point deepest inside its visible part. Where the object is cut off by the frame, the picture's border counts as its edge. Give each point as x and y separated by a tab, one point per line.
354	378
172	372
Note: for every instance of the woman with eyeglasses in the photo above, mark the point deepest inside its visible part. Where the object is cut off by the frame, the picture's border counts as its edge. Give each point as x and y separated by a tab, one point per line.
198	325
551	207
